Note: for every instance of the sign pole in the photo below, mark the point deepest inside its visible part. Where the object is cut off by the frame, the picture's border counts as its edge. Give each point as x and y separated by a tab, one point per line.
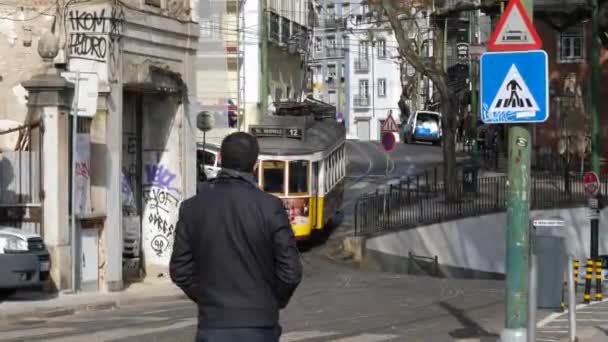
74	238
595	134
518	225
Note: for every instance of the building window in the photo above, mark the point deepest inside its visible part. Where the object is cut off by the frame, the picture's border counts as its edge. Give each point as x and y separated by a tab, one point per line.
571	45
288	93
363	49
331	70
331	11
154	3
345	9
381	48
343	70
278	94
318	44
382	87
364	88
364	9
331	46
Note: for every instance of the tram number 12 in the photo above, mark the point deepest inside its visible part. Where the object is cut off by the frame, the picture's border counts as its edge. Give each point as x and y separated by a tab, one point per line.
294	133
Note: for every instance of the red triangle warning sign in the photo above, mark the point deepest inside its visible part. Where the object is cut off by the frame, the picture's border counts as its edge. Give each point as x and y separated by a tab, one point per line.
389	125
515	31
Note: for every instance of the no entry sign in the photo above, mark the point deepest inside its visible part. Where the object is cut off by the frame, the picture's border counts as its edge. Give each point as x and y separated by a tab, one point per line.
591	183
388	141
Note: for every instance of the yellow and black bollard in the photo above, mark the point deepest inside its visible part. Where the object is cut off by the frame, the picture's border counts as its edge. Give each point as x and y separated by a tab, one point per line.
598	280
588	276
575	268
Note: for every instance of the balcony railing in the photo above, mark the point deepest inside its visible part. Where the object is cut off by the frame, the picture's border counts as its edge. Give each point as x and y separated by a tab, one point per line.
334	52
333	22
362	65
361	101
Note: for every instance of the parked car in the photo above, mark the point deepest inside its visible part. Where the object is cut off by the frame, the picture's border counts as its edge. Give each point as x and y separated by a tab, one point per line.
24	261
423	126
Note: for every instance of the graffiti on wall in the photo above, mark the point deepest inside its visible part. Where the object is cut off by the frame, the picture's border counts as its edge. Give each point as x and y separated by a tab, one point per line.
93	32
161	200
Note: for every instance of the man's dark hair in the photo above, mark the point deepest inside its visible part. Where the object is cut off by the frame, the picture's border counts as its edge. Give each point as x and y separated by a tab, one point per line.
239	152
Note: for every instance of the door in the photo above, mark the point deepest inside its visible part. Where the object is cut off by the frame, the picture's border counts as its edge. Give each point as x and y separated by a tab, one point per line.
314	194
89	262
131	183
363	130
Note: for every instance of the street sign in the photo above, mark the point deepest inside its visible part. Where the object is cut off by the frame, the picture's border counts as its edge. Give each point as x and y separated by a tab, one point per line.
388	141
548	223
591	182
389	124
514	87
85	101
515	31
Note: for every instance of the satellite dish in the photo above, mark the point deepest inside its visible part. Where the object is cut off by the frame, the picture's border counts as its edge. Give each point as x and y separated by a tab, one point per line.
204	121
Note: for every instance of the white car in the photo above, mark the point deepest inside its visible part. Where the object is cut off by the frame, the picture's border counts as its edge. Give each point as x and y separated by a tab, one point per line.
24	260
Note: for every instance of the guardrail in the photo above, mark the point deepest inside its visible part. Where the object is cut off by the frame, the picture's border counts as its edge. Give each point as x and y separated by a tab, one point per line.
419	200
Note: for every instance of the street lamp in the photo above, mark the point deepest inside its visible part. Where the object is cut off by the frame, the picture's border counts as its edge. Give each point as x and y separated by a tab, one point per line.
204	122
48	47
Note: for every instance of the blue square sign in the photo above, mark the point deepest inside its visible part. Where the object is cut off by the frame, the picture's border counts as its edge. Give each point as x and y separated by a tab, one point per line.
514	87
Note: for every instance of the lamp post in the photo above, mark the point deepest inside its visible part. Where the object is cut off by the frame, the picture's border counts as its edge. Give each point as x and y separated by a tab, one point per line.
204	122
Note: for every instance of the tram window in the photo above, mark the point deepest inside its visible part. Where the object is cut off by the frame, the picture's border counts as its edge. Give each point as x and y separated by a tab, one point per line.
298	177
273	176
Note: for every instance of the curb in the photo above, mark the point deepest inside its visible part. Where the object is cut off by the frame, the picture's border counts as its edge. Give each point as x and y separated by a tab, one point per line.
67	310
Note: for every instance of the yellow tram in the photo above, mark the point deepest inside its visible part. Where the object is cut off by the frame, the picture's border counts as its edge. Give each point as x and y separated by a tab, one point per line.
302	161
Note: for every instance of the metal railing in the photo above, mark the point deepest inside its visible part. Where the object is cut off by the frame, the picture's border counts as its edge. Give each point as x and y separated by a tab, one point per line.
361	65
334	52
420	200
361	101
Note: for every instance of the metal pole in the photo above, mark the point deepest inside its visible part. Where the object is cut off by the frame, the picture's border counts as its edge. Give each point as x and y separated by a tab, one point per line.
571	304
73	238
533	297
518	225
264	72
595	120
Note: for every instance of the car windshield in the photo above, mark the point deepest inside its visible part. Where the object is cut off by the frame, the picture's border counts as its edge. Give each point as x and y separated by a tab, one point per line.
427	117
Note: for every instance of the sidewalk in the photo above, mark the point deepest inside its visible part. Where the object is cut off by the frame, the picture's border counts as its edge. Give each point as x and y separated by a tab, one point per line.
591	324
37	304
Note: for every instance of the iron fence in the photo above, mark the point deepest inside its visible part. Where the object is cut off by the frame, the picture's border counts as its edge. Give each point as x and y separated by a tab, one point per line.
421	200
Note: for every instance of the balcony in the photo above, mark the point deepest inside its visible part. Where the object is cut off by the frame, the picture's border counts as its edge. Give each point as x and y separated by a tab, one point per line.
362	65
331	82
335	23
361	101
334	53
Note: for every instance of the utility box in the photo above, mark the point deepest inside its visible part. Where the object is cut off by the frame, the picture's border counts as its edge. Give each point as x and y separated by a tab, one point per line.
550	251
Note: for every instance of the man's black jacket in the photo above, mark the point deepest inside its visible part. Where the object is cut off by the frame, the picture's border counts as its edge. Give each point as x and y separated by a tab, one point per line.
235	254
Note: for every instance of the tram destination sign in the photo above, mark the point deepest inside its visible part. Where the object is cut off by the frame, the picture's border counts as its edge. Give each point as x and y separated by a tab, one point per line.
277	132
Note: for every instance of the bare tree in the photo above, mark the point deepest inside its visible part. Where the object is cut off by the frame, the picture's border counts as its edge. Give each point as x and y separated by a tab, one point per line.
402	16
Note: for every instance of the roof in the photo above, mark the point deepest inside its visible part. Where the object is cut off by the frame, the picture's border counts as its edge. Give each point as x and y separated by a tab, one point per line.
318	135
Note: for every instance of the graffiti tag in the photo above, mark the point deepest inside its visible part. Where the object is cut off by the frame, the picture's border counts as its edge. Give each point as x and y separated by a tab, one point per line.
93	33
159	244
160	176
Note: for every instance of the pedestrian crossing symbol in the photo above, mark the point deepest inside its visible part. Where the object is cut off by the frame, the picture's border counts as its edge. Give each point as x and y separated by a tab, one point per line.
514	87
515	96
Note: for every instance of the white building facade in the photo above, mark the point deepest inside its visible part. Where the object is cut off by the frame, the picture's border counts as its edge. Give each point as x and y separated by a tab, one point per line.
373	85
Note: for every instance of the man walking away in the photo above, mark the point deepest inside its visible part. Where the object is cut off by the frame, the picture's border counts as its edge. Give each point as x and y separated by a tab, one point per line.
234	253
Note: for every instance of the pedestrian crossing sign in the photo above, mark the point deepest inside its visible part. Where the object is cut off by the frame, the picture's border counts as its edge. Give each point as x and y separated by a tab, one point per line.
514	87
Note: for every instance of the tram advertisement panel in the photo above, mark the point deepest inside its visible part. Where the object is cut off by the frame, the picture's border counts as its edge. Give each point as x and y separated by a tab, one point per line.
297	210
